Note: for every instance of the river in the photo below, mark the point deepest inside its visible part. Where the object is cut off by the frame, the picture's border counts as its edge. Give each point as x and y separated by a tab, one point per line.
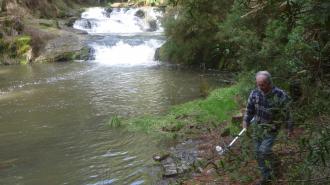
53	117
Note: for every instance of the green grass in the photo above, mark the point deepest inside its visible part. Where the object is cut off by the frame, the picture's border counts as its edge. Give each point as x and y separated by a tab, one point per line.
114	122
219	106
15	49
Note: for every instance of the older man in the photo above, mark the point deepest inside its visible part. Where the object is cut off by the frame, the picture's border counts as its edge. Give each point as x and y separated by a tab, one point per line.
267	109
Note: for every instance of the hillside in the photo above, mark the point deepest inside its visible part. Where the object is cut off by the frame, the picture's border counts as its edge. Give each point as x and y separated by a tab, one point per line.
27	26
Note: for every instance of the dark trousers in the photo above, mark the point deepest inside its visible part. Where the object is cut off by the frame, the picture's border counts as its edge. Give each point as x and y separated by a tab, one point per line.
263	143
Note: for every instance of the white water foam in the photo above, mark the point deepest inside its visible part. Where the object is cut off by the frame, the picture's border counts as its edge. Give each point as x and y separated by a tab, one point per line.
125	55
123	22
120	20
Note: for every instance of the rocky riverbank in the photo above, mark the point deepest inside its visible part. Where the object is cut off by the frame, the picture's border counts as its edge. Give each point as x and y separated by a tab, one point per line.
68	44
29	36
193	159
196	128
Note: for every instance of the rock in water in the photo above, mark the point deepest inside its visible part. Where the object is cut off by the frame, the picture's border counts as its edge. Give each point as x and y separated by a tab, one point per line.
170	167
87	24
70	22
160	157
157	54
140	14
66	47
152	25
108	12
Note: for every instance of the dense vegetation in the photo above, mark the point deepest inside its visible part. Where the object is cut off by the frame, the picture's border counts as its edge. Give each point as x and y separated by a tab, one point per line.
289	38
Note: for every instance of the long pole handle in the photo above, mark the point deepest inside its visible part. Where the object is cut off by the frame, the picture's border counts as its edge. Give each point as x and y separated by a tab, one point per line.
231	143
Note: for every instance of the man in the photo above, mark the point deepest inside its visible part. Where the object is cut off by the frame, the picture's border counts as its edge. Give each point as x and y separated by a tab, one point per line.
267	109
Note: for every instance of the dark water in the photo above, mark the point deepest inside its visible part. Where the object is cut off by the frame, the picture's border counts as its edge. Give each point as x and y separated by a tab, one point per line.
53	121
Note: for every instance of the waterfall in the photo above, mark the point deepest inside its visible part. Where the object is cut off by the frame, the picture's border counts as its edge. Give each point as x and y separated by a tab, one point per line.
127	36
120	20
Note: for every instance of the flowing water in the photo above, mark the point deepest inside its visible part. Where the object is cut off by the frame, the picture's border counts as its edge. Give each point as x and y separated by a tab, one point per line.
53	116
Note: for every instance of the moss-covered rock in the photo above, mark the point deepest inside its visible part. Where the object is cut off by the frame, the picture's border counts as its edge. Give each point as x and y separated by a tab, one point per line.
48	23
66	56
64	46
82	54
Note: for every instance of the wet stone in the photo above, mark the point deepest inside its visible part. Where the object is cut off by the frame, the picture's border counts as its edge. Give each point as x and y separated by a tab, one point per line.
161	156
140	14
180	159
107	12
170	167
157	54
70	22
152	25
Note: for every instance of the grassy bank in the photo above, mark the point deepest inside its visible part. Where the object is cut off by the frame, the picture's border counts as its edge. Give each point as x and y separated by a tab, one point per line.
218	107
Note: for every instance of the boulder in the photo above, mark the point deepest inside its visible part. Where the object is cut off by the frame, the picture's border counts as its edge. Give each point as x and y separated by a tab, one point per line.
107	12
87	24
70	22
169	166
66	56
160	157
152	25
140	14
157	54
179	159
66	46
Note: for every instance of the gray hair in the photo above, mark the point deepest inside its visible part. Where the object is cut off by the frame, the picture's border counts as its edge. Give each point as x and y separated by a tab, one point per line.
266	74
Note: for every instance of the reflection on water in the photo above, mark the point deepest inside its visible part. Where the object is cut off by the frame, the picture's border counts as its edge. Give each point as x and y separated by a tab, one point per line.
52	121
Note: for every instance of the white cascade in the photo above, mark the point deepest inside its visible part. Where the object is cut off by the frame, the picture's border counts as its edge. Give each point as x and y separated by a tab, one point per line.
128	39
